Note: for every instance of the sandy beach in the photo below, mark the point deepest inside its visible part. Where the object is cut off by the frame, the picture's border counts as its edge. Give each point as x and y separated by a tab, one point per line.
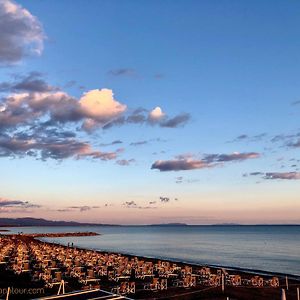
27	262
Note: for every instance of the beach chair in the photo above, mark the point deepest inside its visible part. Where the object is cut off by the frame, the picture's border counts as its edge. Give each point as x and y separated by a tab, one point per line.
102	271
157	266
162	272
77	263
214	280
25	267
131	287
89	279
123	289
111	275
204	272
127	271
193	282
188	270
185	282
164	284
77	273
246	282
257	281
273	282
139	273
236	280
68	262
47	278
154	285
90	274
177	282
58	276
36	276
53	263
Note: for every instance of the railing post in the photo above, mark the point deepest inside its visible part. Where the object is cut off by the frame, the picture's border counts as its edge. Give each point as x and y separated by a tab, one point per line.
8	292
283	297
58	292
223	287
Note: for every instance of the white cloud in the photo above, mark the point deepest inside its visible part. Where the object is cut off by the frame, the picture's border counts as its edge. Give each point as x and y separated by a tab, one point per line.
21	33
156	114
100	107
95	108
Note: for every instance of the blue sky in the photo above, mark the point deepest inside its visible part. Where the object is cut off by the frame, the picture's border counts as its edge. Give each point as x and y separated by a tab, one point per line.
224	142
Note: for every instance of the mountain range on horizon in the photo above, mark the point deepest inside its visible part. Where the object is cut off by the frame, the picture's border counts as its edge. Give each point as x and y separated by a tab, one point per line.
28	221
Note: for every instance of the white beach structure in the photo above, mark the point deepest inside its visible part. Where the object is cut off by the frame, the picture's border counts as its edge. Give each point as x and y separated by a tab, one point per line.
283	297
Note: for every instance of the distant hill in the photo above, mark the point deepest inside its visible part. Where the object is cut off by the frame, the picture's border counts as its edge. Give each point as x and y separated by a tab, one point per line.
20	222
23	222
169	224
227	224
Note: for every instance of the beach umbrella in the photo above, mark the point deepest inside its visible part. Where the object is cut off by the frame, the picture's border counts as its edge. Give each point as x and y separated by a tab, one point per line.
283	297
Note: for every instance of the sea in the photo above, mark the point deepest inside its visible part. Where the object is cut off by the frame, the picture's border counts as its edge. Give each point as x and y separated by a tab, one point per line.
271	248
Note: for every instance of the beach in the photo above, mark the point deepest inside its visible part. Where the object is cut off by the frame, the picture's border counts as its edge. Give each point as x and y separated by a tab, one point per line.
255	248
30	262
149	150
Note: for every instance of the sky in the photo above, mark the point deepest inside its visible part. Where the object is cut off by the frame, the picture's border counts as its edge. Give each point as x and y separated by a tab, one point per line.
143	112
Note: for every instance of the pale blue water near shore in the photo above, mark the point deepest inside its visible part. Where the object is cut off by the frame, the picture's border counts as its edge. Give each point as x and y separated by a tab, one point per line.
267	248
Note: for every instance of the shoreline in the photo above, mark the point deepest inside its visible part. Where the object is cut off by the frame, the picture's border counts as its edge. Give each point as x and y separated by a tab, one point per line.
174	260
40	236
197	264
206	285
58	234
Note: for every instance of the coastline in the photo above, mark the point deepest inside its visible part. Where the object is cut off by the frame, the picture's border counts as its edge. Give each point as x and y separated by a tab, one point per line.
60	234
244	290
258	255
189	262
192	263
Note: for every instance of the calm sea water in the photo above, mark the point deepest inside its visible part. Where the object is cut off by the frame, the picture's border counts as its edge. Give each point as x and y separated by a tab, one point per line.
268	248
